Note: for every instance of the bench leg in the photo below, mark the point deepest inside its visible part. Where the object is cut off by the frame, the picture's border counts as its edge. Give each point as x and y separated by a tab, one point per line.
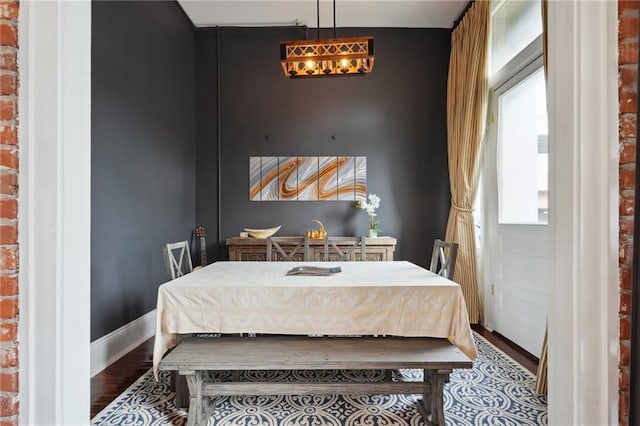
431	407
178	383
198	415
388	375
179	386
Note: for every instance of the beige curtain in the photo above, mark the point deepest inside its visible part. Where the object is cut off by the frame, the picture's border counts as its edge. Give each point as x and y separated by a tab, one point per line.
541	377
467	95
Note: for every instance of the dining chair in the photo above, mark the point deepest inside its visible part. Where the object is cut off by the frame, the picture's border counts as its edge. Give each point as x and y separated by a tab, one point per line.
287	249
344	249
443	258
177	259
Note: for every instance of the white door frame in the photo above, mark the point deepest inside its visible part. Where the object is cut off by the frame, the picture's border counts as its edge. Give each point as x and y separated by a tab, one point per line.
55	211
55	100
583	185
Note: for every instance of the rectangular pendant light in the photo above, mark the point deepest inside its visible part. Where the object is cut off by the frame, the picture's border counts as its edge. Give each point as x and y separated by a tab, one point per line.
328	57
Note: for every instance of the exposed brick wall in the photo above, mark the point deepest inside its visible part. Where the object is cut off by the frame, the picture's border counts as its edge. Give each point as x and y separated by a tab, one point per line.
627	95
9	360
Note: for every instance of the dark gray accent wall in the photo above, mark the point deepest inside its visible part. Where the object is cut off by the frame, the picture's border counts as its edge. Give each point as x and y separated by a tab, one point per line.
143	153
395	116
207	137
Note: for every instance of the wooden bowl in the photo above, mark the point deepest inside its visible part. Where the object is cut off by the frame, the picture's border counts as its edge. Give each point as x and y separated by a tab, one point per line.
262	233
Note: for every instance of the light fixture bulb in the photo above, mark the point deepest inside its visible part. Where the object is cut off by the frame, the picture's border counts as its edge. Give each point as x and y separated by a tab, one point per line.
309	64
344	63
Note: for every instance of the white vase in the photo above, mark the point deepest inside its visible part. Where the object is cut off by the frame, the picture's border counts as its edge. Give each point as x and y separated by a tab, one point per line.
373	233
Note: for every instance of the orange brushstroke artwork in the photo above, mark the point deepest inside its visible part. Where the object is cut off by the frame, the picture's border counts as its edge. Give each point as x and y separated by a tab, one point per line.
307	178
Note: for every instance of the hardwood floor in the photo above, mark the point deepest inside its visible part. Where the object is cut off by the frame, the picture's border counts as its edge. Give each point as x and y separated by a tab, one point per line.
116	378
521	356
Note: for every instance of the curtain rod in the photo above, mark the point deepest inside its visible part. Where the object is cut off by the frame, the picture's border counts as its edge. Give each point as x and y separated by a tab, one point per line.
462	14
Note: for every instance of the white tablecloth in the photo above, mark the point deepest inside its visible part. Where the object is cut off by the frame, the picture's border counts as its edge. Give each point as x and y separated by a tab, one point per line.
366	298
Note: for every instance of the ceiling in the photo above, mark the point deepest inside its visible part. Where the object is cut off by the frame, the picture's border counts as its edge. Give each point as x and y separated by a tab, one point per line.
349	13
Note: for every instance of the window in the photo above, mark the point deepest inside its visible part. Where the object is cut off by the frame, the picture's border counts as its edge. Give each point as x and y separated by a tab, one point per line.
522	150
518	112
514	25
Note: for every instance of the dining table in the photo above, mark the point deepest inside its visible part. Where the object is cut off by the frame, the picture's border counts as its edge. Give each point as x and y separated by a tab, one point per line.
397	298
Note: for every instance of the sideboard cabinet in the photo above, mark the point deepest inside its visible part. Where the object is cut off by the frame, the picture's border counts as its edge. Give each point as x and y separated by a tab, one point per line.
255	249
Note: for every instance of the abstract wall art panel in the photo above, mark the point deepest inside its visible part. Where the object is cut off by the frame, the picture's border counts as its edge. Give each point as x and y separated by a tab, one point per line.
346	178
269	179
307	178
288	178
361	178
254	178
328	178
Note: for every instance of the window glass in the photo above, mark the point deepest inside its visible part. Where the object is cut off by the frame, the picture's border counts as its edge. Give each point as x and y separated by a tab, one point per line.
523	152
514	24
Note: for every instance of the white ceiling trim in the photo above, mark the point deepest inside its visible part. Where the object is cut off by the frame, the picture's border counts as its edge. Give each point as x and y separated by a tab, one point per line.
349	13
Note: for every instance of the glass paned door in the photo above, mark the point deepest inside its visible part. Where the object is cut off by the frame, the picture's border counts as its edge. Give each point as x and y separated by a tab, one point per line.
516	255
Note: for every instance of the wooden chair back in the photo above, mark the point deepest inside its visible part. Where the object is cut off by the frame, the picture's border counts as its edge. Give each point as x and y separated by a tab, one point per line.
291	249
344	249
177	259
443	258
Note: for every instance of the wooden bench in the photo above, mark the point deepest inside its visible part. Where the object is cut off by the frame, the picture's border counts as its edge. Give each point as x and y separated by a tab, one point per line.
193	358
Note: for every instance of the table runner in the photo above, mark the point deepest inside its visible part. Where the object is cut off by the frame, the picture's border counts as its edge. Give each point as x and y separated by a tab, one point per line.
367	298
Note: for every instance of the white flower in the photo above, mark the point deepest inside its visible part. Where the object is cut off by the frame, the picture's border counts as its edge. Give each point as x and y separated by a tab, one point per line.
370	206
374	201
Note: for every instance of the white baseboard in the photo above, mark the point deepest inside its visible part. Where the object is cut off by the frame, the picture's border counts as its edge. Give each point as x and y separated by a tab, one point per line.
113	346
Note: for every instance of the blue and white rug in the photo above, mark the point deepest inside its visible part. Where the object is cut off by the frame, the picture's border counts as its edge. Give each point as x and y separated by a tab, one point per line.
496	391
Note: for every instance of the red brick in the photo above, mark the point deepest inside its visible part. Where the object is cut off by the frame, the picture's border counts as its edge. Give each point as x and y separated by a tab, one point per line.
8	258
628	27
8	421
628	77
9	356
8	332
623	410
625	253
627	178
628	126
8	110
9	158
8	84
623	379
628	53
8	234
628	153
8	405
8	135
8	9
627	202
8	183
8	382
628	5
628	102
8	61
626	228
624	354
8	35
625	303
626	278
625	328
8	307
8	208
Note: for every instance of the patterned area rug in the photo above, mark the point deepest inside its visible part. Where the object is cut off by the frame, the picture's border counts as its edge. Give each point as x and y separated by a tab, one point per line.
496	391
